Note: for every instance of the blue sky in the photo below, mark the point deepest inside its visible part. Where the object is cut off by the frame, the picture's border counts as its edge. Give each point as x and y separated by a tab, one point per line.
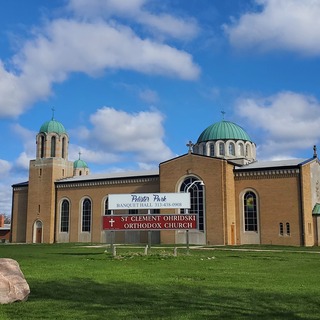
133	81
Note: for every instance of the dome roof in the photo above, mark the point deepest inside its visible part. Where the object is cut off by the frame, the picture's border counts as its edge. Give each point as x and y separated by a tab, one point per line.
223	130
52	126
80	164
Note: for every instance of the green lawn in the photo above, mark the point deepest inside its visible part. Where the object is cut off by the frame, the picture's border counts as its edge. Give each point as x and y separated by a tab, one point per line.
72	281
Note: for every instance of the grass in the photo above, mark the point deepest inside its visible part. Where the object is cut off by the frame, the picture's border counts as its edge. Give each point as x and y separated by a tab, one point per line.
72	281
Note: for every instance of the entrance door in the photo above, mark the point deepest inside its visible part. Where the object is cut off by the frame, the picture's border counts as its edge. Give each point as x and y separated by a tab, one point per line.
38	232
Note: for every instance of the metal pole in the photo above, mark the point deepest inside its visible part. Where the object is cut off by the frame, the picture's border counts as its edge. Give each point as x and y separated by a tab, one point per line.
149	234
187	235
112	240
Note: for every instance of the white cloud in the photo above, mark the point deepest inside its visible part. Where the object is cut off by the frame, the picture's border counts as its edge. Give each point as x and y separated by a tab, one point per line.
5	167
149	96
281	24
290	122
166	24
65	46
29	146
133	137
5	198
91	155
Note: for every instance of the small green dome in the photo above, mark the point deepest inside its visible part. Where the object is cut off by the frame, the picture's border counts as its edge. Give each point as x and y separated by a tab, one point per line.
52	126
223	130
80	164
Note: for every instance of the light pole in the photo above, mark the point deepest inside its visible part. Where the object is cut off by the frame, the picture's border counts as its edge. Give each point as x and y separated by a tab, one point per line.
187	190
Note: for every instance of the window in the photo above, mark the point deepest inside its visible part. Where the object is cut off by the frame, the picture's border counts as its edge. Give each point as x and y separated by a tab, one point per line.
221	149
106	211
204	151
133	211
309	229
241	149
63	147
41	146
247	150
64	220
250	212
288	228
231	149
197	199
53	147
211	150
281	229
86	215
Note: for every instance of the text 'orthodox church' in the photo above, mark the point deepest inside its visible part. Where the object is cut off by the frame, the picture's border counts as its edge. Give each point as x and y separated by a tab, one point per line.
239	201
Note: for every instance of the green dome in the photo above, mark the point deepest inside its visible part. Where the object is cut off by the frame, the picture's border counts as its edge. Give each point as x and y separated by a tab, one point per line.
80	164
52	126
223	130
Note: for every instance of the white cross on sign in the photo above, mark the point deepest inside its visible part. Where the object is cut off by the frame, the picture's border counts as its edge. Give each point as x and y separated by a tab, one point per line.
111	221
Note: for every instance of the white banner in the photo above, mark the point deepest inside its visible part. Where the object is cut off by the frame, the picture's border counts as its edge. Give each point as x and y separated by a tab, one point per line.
136	201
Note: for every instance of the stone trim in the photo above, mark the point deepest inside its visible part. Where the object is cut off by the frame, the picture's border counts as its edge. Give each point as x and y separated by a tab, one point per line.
22	188
267	174
78	184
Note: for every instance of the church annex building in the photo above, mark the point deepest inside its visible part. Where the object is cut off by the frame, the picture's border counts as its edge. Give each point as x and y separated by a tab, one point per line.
238	199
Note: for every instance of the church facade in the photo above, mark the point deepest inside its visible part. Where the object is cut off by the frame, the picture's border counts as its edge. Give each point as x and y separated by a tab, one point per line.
237	199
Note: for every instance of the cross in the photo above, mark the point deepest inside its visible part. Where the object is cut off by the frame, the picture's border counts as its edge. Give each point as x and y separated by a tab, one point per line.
111	221
52	112
223	113
79	154
190	145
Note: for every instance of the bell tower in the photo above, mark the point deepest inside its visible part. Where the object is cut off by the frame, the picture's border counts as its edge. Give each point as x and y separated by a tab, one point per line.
50	165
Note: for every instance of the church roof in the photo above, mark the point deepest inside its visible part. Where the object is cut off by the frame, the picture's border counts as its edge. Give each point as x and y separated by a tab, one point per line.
52	126
272	164
223	130
114	175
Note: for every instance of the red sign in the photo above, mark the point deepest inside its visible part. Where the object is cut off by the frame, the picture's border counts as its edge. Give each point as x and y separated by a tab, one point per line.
150	222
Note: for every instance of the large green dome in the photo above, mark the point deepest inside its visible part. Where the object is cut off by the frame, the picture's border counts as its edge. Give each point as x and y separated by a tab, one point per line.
52	126
223	130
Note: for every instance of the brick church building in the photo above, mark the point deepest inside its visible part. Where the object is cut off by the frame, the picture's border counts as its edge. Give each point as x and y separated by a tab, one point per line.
240	200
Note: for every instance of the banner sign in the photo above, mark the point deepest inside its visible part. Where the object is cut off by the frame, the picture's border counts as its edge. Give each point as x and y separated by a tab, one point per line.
149	201
150	222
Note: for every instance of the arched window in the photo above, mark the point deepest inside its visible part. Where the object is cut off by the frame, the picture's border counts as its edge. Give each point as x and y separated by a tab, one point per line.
53	147
288	228
211	150
221	149
106	211
64	216
247	150
41	146
281	229
232	151
250	212
86	215
196	197
241	149
204	151
63	153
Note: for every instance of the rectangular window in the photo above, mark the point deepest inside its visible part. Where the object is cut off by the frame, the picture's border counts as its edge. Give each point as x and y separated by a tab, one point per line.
309	228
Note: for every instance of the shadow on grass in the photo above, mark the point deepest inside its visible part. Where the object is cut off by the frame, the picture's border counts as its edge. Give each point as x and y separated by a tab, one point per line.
86	299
